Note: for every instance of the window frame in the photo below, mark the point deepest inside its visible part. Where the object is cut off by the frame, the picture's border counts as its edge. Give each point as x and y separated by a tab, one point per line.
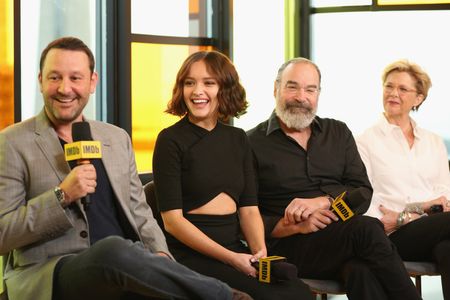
120	114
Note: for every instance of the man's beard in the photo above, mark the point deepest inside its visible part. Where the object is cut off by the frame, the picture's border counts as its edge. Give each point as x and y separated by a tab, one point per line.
296	115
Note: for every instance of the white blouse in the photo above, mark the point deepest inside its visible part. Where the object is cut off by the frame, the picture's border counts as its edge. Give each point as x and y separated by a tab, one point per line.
400	175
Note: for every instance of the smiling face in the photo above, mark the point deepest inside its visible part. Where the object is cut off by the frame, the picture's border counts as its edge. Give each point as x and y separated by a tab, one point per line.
400	94
200	91
66	83
297	95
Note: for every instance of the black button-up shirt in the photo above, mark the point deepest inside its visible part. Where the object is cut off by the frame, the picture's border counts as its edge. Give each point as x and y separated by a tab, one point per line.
285	170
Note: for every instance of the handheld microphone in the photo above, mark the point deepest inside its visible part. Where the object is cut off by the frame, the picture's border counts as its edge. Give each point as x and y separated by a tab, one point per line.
437	208
275	268
83	149
340	207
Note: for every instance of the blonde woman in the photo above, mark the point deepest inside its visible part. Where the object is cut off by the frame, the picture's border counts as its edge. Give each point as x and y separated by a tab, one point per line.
408	169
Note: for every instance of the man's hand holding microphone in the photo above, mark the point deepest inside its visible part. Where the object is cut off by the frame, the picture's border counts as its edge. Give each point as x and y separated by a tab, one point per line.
82	179
80	182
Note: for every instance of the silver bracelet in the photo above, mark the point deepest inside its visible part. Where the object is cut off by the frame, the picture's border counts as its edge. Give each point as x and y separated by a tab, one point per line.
415	208
409	217
401	218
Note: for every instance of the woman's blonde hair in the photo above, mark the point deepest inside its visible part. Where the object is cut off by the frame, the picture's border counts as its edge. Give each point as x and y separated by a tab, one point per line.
423	81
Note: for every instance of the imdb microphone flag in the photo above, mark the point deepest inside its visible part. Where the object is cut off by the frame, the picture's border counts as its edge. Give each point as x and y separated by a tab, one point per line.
266	266
341	208
83	150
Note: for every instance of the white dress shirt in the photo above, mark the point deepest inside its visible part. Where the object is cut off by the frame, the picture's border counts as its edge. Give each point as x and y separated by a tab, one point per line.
400	174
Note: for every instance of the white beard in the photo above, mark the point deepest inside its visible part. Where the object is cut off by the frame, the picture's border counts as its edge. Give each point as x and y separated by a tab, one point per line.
296	115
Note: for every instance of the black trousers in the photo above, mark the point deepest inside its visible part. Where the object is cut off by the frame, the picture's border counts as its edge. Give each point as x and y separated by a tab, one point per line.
356	251
427	239
224	229
287	290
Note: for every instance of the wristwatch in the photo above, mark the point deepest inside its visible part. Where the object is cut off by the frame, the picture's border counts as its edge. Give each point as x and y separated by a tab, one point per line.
60	196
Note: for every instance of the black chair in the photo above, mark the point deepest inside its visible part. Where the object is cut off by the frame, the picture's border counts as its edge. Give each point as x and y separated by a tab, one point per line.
145	177
417	269
149	190
324	287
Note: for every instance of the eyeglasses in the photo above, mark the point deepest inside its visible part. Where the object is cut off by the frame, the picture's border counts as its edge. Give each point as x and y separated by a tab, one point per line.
401	90
294	88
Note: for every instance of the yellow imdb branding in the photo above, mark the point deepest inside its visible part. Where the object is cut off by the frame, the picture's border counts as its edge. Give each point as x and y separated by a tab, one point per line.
341	208
265	267
83	150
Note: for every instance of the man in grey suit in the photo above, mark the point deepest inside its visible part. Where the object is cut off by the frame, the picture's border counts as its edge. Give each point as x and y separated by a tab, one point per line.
57	248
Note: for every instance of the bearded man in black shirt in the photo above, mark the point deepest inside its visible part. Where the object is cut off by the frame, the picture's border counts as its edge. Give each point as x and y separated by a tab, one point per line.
303	162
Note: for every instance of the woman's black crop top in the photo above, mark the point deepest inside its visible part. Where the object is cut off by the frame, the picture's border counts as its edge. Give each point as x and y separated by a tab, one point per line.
192	165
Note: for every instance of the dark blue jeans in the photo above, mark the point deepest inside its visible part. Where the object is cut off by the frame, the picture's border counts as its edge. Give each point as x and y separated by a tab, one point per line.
115	268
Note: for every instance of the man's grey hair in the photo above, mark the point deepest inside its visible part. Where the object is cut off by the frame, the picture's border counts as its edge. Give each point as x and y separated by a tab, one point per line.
297	60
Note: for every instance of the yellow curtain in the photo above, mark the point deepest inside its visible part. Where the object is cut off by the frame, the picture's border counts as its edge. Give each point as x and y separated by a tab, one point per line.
6	63
154	68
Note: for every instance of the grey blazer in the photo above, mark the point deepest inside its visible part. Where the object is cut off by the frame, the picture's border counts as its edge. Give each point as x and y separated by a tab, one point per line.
34	228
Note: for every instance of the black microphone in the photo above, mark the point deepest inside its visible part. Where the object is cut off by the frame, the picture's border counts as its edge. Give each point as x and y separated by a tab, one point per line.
83	149
437	208
274	269
343	204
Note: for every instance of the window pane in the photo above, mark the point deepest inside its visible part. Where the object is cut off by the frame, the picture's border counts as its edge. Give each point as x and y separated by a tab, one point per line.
258	52
41	22
328	3
154	68
6	64
352	70
183	18
395	2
